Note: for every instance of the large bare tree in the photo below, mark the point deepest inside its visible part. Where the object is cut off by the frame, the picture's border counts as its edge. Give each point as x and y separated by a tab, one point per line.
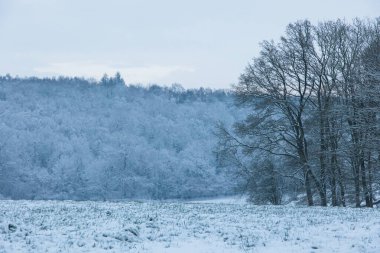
315	99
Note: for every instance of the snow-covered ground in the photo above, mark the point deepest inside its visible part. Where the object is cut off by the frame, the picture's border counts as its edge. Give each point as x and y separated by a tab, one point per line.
67	226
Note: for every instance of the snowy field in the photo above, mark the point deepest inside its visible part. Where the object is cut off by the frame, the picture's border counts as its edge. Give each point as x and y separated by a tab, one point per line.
67	226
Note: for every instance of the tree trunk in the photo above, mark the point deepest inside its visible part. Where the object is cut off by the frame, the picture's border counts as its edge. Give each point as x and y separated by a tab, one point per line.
356	171
334	198
322	160
341	187
334	168
370	178
364	181
309	193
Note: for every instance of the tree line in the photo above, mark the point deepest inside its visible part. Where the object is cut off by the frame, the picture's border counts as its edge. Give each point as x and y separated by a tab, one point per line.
315	102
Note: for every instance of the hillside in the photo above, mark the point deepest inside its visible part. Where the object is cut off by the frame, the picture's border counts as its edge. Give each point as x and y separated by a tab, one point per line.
75	139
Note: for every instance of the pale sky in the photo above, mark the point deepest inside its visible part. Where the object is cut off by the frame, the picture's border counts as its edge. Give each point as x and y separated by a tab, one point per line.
195	43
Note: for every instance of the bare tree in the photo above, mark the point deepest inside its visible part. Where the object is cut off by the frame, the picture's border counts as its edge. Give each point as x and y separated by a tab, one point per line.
315	98
282	77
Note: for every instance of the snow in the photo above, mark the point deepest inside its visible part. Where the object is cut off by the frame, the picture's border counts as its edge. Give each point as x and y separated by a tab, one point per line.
68	226
235	199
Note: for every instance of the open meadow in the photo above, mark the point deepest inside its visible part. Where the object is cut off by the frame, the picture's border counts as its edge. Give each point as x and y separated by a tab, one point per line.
68	226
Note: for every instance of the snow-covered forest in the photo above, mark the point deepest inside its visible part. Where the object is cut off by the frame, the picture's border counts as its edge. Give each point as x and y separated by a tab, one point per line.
302	124
68	138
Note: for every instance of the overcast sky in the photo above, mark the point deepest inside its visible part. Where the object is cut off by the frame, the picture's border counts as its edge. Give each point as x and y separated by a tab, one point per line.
195	42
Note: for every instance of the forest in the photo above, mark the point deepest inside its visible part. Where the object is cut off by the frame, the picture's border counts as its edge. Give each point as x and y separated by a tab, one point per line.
71	138
314	123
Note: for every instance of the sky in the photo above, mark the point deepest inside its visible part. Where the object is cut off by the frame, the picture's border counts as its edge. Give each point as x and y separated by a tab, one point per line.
194	43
